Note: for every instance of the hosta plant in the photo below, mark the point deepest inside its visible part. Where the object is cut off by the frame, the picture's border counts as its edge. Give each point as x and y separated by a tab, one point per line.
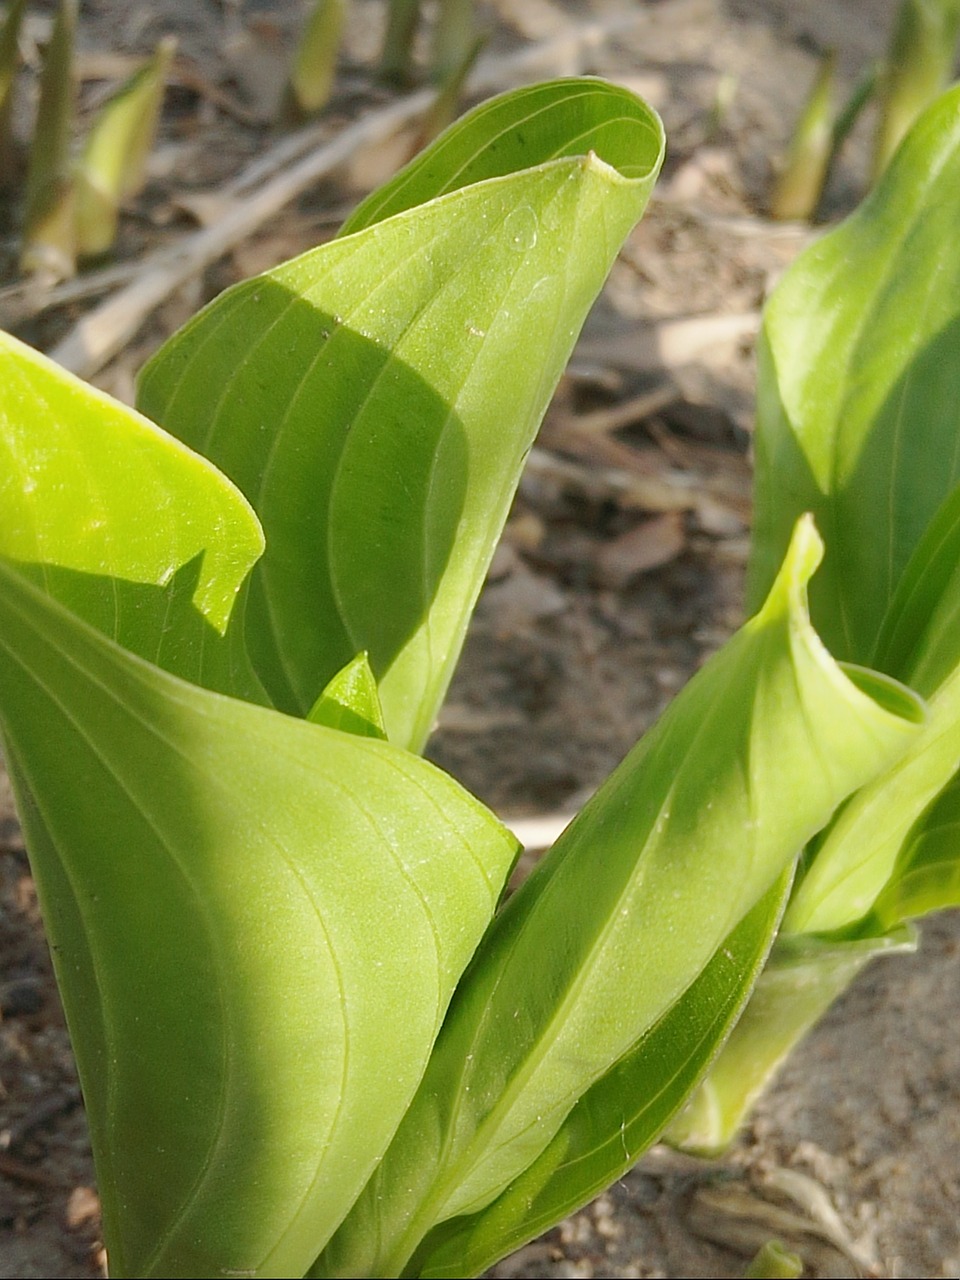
858	422
313	1037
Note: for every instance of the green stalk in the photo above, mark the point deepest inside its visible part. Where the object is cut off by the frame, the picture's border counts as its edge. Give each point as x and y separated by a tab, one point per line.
919	67
113	165
9	57
443	110
802	979
397	56
800	184
314	64
850	112
454	39
49	241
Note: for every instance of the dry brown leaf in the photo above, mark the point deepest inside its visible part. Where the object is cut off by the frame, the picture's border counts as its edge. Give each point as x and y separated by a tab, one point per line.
647	546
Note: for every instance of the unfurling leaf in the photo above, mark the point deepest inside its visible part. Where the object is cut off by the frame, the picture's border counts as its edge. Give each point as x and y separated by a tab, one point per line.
314	64
113	164
610	930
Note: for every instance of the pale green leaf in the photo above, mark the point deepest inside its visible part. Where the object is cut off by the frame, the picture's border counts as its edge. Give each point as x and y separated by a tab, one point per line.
798	984
800	183
454	39
774	1262
852	862
80	472
919	65
919	642
926	876
351	702
49	240
378	417
122	523
256	925
627	909
314	64
529	126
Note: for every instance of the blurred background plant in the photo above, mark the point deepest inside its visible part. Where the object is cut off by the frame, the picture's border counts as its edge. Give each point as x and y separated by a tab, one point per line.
71	198
66	193
919	65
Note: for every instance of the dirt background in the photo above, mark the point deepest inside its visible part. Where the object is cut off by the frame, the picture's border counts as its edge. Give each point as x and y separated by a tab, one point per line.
620	573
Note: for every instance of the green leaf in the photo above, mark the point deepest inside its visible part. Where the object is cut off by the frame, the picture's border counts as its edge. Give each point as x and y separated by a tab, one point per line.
9	50
919	66
619	1116
446	104
78	472
674	850
249	915
455	39
517	130
859	385
378	419
351	702
774	1262
403	17
926	876
9	63
919	642
855	858
801	181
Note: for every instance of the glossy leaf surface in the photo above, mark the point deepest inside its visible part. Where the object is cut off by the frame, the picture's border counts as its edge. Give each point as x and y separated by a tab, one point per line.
377	417
926	876
351	702
634	899
895	840
857	421
90	486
